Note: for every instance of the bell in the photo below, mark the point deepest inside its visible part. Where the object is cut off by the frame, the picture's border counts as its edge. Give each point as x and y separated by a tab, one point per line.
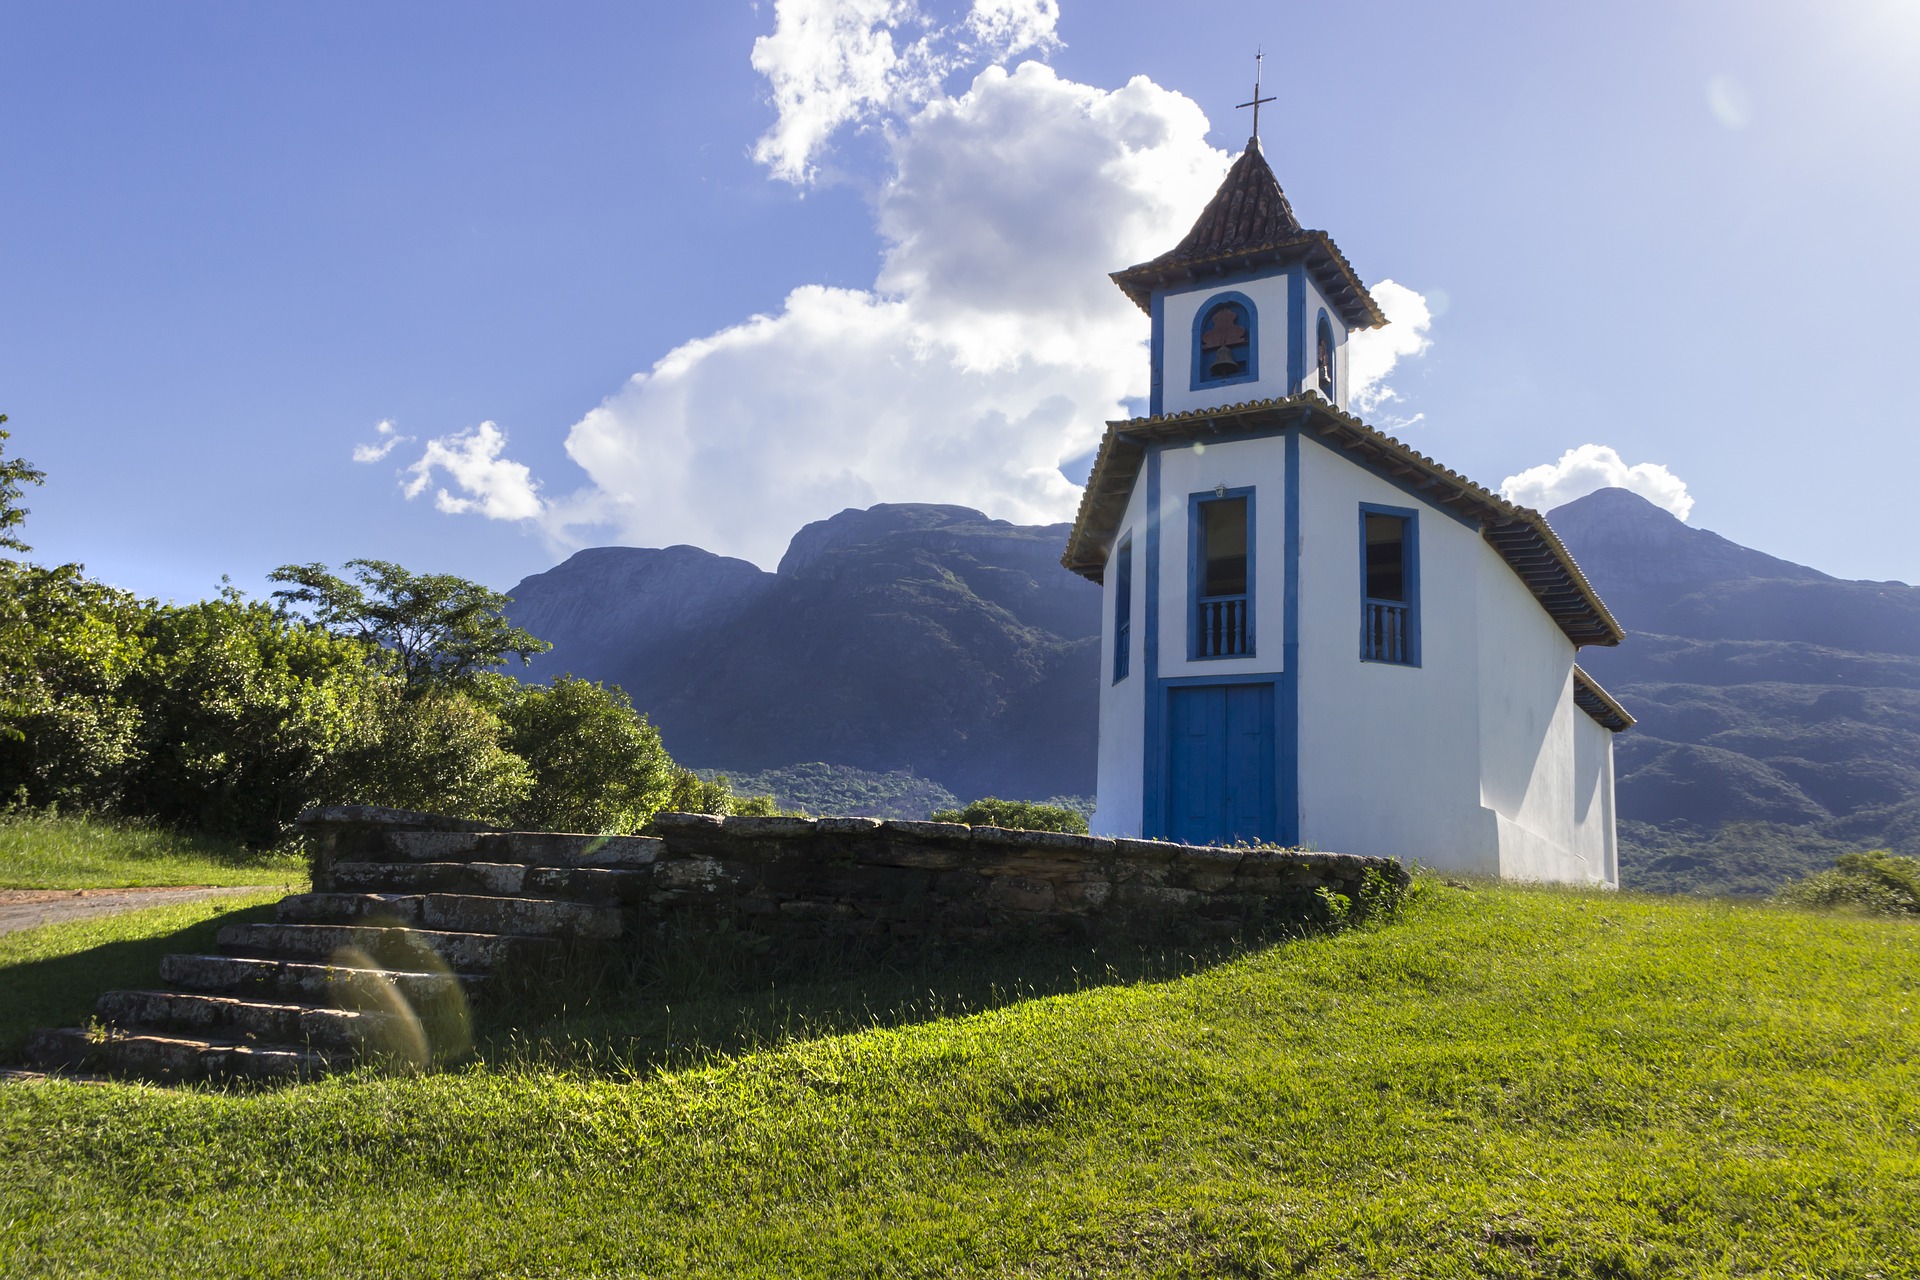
1223	363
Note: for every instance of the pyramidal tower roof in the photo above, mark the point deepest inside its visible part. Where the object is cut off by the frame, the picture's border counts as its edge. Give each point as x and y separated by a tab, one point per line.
1249	225
1249	211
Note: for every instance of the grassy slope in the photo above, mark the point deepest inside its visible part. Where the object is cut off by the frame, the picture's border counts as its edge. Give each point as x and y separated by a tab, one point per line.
79	853
1513	1082
50	977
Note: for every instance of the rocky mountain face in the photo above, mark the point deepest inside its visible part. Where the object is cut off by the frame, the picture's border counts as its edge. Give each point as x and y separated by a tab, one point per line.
1779	707
905	636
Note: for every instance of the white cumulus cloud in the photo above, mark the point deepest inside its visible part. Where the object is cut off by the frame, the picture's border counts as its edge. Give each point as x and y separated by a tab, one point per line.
489	484
1591	467
991	347
1373	353
831	63
387	439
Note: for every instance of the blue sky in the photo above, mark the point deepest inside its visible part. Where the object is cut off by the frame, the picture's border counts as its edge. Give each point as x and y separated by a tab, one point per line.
863	260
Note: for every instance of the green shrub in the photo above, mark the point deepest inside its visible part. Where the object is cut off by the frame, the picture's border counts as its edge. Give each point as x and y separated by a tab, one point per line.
438	752
69	727
246	711
1879	882
1017	815
597	764
692	793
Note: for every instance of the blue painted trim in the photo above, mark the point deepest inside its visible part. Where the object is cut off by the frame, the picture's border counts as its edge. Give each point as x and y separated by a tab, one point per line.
1123	608
1254	677
1412	544
1196	571
1332	388
1425	499
1156	357
1153	698
1296	329
1287	730
1251	373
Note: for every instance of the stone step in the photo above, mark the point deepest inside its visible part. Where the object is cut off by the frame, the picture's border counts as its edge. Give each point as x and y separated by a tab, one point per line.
584	884
171	1059
238	1018
295	982
393	948
531	848
456	912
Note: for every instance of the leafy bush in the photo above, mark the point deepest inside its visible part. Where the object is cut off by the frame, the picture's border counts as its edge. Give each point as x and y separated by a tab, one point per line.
68	725
1017	815
1879	882
246	712
440	752
597	764
692	793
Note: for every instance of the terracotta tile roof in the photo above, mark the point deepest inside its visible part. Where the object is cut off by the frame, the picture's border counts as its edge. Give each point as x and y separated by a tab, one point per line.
1598	703
1249	223
1521	535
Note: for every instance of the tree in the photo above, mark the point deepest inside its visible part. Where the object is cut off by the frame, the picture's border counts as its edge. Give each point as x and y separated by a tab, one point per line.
597	764
14	473
438	630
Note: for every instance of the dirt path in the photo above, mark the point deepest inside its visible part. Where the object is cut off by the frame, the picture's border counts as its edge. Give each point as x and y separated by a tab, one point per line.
30	908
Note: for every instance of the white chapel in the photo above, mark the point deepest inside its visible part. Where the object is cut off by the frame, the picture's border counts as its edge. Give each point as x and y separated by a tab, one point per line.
1312	634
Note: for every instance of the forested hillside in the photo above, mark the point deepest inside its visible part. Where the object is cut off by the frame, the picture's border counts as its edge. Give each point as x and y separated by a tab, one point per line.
1779	707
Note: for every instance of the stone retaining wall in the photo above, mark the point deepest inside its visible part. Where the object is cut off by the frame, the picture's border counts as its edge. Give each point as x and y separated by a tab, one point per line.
922	881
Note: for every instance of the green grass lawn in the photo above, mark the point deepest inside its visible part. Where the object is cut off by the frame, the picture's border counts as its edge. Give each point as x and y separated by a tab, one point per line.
39	852
1510	1082
50	976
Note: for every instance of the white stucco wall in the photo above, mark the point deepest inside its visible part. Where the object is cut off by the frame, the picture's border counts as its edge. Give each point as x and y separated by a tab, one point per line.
1529	737
1388	755
1257	464
1269	298
1595	835
1117	805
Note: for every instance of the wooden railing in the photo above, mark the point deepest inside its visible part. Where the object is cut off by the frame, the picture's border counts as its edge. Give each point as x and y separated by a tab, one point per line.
1224	632
1383	632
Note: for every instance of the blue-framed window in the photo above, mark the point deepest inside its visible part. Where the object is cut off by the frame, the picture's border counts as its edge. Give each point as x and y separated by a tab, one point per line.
1326	362
1220	574
1226	342
1122	608
1389	585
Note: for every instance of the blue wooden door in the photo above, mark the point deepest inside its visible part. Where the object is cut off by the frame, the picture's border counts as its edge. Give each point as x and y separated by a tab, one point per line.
1220	765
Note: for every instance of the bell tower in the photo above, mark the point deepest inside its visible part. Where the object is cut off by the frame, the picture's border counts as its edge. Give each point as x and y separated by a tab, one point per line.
1250	305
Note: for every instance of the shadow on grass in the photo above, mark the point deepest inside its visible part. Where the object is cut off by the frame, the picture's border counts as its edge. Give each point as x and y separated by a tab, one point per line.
60	991
667	1004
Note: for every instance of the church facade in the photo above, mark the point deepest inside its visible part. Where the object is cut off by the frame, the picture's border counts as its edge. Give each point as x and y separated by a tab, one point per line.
1314	635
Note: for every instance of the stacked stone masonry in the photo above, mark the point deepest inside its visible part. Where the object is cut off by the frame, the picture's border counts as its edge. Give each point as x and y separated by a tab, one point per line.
412	913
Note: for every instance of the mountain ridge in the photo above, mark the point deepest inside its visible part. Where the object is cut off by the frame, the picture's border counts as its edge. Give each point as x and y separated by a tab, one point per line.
935	641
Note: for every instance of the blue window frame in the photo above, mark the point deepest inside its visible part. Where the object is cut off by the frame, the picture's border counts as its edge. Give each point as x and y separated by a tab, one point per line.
1326	363
1122	608
1389	585
1226	342
1220	574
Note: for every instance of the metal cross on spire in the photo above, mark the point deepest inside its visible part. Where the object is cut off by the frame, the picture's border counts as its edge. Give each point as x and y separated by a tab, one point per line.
1259	57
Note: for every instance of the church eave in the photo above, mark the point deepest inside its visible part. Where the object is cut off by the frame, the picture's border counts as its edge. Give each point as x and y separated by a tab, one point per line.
1329	267
1520	535
1598	703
